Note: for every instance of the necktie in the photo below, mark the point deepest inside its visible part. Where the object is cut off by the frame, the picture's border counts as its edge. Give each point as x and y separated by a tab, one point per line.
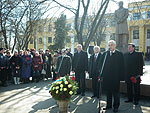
95	58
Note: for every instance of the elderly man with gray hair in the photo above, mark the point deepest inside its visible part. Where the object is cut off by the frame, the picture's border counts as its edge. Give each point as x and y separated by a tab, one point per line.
112	72
93	70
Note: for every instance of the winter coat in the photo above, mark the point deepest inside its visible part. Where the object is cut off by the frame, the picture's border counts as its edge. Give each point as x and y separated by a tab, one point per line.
113	71
26	66
37	63
16	64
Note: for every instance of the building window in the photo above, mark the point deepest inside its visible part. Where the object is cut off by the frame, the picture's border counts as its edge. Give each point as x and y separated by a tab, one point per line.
143	15
31	41
137	48
40	29
148	33
136	16
148	49
49	28
135	34
102	49
148	14
40	40
49	39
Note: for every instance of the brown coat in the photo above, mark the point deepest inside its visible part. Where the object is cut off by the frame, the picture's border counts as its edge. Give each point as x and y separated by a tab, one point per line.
120	17
54	60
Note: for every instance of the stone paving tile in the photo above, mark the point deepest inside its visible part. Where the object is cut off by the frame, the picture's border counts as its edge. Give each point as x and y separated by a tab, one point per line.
34	98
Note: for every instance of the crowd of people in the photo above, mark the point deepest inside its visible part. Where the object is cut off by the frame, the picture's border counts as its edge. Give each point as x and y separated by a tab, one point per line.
27	66
108	68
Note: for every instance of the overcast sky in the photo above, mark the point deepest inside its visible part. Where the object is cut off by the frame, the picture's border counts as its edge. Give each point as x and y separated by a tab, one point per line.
93	5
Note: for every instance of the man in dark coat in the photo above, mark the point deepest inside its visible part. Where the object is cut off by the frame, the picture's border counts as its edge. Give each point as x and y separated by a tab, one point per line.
134	68
93	70
43	60
112	74
9	75
47	65
3	67
16	63
80	67
68	52
63	64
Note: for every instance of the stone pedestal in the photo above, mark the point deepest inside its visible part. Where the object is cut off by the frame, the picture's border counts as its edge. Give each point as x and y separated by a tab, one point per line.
63	106
122	43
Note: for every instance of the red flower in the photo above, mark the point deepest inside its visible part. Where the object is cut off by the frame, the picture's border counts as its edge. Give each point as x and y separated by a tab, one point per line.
58	77
40	62
73	78
27	58
2	67
133	79
63	96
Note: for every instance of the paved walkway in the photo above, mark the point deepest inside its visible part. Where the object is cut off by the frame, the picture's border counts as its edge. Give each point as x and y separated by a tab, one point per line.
34	98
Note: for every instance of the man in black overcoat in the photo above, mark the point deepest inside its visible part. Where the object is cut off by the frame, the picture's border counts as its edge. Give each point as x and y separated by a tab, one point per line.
80	67
112	74
47	66
93	70
68	53
3	67
63	66
134	68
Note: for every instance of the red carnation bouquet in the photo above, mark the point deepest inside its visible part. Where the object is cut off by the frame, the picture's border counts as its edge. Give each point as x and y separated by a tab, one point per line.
27	59
73	78
133	79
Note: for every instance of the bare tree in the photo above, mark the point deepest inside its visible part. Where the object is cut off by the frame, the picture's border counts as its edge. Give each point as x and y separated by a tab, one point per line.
17	20
6	8
80	19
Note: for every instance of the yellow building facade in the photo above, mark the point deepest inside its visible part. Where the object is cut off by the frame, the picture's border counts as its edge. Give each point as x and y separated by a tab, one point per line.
139	25
43	34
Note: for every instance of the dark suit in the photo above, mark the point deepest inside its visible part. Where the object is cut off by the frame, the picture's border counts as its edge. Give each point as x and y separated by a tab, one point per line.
47	66
134	67
93	72
112	74
69	54
3	68
79	66
63	65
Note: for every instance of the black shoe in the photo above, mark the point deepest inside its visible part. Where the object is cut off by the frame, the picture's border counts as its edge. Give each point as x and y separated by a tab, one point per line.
128	101
106	108
93	96
136	103
115	110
